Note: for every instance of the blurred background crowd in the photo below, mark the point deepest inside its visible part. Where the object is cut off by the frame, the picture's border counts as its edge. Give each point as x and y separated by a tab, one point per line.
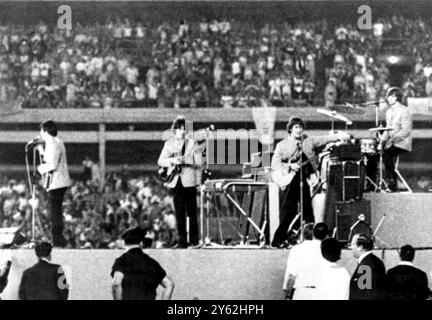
209	63
95	219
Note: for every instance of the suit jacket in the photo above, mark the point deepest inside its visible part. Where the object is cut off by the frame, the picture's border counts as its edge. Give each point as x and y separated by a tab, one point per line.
287	149
406	282
55	161
43	281
368	280
190	175
399	118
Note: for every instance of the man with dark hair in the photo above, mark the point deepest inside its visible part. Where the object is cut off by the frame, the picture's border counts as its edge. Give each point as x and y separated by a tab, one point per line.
320	231
395	141
406	282
56	178
303	266
135	275
45	280
181	155
285	163
334	279
368	280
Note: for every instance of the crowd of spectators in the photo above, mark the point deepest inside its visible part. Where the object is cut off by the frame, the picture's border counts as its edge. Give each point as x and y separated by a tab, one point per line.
96	219
207	63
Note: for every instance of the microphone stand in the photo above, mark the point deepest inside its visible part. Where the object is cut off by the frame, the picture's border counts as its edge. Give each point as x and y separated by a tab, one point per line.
300	147
31	180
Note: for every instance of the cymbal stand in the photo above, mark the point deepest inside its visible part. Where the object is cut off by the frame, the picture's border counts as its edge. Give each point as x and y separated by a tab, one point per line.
381	181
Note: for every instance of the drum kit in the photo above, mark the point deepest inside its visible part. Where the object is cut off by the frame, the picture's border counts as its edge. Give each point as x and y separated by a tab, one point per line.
369	147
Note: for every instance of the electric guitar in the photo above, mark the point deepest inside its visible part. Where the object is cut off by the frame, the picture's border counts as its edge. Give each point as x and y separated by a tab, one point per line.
167	174
46	179
283	176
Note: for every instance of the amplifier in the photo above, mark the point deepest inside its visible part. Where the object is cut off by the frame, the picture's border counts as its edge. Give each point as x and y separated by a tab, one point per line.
346	151
346	179
352	217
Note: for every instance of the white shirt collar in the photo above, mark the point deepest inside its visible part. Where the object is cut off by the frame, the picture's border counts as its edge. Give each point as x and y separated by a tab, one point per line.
363	255
133	247
406	263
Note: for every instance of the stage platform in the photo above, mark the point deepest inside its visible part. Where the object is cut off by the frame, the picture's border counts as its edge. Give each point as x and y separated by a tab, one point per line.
408	218
233	273
198	273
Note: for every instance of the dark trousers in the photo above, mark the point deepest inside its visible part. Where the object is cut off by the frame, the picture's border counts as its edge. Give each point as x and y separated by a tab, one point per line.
185	204
289	208
55	198
389	159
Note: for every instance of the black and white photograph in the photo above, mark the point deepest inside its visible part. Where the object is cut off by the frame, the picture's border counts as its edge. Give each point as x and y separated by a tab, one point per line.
230	152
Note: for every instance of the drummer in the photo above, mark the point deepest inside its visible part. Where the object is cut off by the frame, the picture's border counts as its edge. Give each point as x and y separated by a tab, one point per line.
394	141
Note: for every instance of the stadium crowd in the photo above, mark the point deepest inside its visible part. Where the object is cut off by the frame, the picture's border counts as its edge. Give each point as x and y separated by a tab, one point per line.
94	219
207	63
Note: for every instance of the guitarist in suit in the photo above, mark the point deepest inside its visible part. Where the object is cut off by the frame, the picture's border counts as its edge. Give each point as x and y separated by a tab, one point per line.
286	160
369	278
54	169
181	151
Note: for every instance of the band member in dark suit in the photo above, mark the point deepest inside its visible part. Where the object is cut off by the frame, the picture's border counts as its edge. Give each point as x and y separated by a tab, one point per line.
285	159
406	282
181	151
136	276
45	280
395	141
56	175
368	280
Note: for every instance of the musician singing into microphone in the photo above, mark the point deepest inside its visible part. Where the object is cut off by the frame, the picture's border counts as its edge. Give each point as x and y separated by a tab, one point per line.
55	172
395	141
181	152
286	160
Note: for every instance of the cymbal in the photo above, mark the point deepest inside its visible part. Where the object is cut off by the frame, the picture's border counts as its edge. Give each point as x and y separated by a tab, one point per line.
347	108
378	129
335	115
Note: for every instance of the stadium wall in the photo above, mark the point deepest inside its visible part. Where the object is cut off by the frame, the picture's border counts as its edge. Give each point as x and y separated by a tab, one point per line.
214	274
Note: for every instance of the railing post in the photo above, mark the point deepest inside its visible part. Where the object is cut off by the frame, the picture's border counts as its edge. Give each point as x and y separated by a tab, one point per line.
102	159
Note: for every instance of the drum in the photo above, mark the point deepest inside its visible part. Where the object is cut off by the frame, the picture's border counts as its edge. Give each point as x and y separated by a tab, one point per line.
369	146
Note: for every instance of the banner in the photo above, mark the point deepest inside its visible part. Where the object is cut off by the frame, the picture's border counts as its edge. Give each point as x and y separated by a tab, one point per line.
420	106
265	119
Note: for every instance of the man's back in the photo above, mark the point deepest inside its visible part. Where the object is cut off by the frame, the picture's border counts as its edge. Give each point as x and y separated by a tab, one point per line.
142	275
305	262
43	281
368	280
405	282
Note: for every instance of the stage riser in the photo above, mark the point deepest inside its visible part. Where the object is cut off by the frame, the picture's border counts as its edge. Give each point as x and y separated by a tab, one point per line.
408	218
203	274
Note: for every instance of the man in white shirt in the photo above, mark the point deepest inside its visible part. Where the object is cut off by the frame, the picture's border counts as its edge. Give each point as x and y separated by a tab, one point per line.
55	171
334	279
304	264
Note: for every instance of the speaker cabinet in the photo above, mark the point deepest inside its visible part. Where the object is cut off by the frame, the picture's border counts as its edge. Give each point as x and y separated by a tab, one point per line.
347	180
352	217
